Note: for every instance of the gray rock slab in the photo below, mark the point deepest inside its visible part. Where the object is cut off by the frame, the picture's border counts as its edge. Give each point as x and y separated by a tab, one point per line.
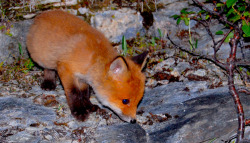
13	108
123	133
23	109
17	115
196	116
116	23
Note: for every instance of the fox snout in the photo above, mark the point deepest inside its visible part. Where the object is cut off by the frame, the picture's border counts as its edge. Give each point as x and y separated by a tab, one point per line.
127	119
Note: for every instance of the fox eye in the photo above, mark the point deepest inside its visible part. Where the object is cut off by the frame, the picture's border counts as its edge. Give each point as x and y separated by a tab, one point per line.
125	101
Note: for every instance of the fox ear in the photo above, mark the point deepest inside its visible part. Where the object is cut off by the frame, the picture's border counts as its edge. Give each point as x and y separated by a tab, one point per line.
118	67
140	59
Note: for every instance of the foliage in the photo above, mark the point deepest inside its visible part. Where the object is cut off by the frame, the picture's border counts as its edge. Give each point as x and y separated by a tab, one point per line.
237	12
21	65
235	16
185	17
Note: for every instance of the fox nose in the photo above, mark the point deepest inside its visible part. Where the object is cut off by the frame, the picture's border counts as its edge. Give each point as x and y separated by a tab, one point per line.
132	121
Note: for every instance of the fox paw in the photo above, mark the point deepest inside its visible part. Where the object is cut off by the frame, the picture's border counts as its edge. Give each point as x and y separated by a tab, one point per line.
48	85
82	114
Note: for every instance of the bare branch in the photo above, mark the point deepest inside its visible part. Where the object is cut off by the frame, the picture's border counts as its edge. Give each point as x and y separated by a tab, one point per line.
222	41
231	60
210	58
242	90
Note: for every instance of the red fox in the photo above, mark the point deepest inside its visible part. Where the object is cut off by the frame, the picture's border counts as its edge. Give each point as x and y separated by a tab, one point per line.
82	57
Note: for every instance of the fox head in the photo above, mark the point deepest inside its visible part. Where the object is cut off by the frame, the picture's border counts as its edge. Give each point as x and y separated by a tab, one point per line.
122	87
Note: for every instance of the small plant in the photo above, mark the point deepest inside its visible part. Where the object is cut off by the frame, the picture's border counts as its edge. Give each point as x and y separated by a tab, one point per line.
185	16
124	46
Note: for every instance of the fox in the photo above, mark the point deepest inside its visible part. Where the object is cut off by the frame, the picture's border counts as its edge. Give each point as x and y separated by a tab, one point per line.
83	58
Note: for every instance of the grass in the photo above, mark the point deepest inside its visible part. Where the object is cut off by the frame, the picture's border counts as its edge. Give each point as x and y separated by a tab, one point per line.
15	70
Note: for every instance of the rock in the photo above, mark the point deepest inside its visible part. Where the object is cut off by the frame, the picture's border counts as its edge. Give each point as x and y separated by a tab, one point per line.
151	83
163	20
18	114
23	137
115	24
191	115
83	10
29	16
164	64
26	110
200	72
176	112
48	1
9	45
65	3
124	133
181	67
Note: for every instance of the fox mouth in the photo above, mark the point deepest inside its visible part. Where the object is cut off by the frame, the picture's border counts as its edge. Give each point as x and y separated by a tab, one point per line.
122	116
118	113
115	110
127	119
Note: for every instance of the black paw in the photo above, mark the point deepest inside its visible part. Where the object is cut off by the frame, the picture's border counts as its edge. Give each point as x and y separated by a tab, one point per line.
83	112
48	85
80	115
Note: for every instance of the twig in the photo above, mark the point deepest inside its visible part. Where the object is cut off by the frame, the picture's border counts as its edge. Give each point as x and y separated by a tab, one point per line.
242	90
222	41
231	60
206	57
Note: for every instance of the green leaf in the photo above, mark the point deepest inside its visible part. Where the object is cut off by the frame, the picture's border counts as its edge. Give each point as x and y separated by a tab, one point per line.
229	36
207	16
219	32
156	38
175	16
246	28
242	8
201	12
235	18
246	13
229	3
186	21
160	33
190	12
178	21
160	60
191	45
196	44
219	4
153	41
20	49
231	11
248	73
124	46
184	11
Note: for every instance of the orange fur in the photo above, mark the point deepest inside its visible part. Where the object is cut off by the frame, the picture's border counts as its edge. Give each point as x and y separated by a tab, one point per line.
83	56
